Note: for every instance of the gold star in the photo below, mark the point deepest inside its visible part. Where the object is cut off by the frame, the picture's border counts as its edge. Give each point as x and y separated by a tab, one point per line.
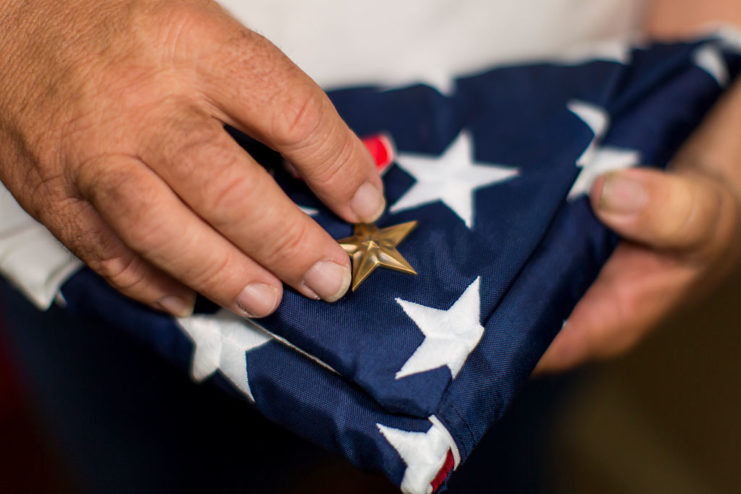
370	247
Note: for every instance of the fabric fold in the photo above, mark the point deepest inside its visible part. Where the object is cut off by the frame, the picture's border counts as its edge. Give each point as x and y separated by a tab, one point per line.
406	374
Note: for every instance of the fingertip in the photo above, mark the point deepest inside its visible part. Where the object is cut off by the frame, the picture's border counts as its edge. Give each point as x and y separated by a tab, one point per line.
359	180
665	210
343	174
621	193
327	280
257	300
180	305
368	203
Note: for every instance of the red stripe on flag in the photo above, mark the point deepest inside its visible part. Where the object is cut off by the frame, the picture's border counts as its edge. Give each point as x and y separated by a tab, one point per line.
444	472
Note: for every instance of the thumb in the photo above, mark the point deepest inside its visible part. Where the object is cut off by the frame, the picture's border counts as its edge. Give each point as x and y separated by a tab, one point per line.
688	213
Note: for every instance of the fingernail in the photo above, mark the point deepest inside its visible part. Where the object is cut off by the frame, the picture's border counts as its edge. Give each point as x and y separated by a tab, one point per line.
622	193
176	306
368	203
382	149
328	279
258	300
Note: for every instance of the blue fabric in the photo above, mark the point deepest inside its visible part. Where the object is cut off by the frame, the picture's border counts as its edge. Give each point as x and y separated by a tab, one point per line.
534	251
110	426
123	420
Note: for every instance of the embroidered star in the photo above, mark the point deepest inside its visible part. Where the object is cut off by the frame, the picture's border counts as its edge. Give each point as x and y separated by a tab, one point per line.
451	178
423	453
222	341
597	159
710	59
371	247
450	335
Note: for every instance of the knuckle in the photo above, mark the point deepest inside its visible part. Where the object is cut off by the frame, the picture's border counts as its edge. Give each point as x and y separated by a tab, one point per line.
292	243
682	222
197	141
336	170
226	196
228	190
101	180
183	25
123	271
681	212
126	198
146	236
299	116
44	198
723	223
703	218
211	275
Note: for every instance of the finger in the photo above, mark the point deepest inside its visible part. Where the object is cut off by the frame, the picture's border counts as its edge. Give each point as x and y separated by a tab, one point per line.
261	92
603	324
148	217
636	288
235	195
640	284
81	229
668	211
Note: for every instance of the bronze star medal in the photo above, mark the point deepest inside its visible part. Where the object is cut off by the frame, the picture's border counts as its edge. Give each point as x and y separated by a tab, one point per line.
371	247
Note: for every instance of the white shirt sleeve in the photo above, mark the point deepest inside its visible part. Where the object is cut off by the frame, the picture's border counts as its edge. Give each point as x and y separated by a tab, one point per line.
392	42
30	257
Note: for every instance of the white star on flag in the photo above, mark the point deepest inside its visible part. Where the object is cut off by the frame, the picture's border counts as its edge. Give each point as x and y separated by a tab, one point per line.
451	178
450	335
597	159
710	59
222	341
424	454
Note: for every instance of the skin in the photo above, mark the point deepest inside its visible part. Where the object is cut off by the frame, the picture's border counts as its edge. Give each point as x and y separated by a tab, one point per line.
682	227
111	126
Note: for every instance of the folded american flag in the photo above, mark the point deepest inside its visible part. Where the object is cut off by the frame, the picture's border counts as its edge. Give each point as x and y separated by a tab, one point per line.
406	374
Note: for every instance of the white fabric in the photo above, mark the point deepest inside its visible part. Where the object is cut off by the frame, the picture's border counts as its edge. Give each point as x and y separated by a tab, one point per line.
384	41
597	159
395	41
450	334
424	454
30	256
710	59
451	178
222	342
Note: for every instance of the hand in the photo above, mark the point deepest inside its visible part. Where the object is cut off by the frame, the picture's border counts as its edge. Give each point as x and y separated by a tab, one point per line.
111	130
682	232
